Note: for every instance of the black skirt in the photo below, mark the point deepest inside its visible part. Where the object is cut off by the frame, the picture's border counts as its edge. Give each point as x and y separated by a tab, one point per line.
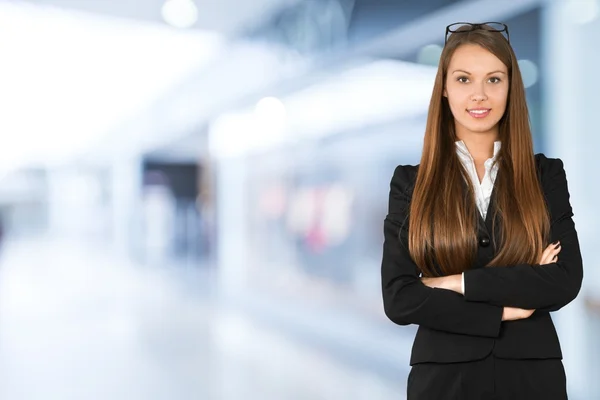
489	379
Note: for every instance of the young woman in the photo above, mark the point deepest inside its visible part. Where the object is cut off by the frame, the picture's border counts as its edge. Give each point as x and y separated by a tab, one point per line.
480	245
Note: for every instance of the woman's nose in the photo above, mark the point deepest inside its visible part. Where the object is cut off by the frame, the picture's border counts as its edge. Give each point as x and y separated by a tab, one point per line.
478	93
478	96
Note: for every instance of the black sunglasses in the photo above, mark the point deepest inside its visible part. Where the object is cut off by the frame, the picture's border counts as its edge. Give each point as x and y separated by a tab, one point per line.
462	27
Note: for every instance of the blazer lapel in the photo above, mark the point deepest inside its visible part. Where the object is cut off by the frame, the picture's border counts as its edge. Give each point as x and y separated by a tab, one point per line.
488	223
485	224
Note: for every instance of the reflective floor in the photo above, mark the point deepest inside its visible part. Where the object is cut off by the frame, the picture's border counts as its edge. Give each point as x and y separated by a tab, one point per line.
78	322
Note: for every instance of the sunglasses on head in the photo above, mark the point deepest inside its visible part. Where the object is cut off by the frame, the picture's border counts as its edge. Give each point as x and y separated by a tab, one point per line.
464	27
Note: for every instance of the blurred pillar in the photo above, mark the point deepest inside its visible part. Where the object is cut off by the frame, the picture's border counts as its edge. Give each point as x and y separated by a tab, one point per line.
232	215
571	88
126	183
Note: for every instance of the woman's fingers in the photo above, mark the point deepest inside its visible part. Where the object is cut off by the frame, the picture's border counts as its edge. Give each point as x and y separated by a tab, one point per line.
550	254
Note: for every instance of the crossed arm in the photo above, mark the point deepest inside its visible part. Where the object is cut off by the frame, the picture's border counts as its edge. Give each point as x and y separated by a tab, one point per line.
488	291
456	283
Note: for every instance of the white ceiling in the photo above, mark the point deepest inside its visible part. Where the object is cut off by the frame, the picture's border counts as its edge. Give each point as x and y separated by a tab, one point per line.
227	17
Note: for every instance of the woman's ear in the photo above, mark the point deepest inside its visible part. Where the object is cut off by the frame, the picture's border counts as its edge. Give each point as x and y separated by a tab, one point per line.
445	93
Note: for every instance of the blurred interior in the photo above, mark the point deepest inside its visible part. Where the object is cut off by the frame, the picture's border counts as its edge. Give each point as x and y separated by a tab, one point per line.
192	192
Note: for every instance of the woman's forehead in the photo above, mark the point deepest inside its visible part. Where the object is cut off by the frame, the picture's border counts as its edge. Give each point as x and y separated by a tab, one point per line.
475	59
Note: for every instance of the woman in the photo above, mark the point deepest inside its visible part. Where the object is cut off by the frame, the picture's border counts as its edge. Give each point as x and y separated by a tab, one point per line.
480	244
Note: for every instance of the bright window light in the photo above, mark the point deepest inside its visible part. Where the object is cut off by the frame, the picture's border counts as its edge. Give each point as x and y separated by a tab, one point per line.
270	116
69	79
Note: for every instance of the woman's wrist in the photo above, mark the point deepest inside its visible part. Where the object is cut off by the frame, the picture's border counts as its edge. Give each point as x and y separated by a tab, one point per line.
450	282
455	283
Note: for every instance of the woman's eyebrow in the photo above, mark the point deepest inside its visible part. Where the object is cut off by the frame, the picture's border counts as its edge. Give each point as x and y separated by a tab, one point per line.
489	73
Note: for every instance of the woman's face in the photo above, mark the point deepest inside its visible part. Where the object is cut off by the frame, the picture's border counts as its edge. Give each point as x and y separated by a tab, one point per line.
477	89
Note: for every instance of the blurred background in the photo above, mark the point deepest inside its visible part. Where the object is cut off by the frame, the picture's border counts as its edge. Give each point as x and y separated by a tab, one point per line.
192	192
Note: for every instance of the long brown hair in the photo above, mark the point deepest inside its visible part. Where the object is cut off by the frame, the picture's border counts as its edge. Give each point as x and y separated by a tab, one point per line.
443	219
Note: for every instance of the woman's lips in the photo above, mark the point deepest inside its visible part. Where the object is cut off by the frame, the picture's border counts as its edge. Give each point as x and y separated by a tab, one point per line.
479	112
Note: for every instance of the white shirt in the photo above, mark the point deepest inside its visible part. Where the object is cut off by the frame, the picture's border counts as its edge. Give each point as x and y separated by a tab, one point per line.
483	189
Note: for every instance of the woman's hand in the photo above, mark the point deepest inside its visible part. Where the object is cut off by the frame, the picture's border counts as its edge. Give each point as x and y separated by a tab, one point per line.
550	255
513	313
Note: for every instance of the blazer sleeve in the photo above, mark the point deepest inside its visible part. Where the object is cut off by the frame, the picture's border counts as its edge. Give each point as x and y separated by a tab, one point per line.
406	299
547	287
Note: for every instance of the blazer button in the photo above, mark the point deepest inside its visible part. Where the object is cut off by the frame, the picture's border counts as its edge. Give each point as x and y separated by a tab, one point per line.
484	241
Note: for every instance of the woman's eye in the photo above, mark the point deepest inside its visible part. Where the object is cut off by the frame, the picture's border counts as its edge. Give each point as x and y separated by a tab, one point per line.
464	79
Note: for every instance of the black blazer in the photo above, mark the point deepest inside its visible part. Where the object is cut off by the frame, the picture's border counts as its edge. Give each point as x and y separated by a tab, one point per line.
456	328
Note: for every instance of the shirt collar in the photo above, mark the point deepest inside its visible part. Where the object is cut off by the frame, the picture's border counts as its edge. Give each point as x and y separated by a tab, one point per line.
461	149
